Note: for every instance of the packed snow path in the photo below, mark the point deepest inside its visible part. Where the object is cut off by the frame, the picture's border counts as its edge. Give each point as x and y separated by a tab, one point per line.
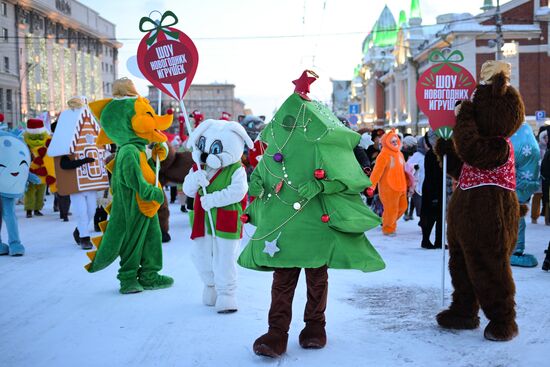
54	313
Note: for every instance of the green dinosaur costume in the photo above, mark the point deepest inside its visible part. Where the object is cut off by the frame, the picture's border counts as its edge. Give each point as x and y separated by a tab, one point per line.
133	230
302	221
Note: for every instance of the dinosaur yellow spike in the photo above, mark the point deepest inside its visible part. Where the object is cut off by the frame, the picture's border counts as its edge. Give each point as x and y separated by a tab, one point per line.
91	255
97	241
108	208
111	165
103	226
87	266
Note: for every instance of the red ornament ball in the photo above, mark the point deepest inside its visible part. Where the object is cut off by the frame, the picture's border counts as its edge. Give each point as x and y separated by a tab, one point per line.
325	218
245	218
319	174
170	111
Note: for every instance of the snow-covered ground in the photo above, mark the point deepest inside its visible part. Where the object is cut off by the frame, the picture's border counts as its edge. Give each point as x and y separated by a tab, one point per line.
54	313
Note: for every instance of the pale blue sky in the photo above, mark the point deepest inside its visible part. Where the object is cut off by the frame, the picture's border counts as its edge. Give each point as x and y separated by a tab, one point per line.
263	68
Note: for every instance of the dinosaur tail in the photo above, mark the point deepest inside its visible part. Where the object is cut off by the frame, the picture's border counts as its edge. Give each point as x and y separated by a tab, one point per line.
102	225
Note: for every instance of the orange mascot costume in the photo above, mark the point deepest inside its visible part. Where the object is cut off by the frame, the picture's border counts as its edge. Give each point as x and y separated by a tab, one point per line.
389	176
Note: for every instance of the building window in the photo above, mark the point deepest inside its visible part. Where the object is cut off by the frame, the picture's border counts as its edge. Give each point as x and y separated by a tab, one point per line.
1	99
6	64
5	34
8	100
4	9
111	68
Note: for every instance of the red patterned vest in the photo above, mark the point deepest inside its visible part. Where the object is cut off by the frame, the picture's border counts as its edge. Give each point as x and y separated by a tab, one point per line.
503	176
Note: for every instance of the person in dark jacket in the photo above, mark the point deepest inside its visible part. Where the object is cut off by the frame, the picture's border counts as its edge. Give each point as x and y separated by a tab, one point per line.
84	203
432	196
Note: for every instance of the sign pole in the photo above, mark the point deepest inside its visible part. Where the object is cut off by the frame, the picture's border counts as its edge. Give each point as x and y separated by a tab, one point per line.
157	163
443	226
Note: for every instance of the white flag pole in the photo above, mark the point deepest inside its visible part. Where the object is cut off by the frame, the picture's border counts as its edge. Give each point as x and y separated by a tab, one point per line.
190	130
443	226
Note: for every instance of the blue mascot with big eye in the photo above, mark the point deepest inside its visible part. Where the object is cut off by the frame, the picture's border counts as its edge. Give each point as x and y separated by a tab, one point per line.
15	159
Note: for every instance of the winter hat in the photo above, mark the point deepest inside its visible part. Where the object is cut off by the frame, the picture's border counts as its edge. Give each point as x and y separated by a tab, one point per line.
431	138
225	116
35	126
409	142
76	102
377	133
493	67
124	87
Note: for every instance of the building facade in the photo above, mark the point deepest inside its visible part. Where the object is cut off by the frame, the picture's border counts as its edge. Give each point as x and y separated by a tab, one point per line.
52	50
396	53
210	99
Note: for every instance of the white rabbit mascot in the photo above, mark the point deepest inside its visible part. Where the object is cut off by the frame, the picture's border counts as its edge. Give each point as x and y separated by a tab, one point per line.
218	146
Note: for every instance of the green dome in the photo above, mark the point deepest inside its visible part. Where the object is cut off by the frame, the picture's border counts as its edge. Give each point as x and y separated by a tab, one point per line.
385	29
402	19
415	9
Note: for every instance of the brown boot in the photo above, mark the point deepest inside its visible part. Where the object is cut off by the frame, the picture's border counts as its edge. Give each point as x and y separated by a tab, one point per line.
501	332
313	336
272	344
451	320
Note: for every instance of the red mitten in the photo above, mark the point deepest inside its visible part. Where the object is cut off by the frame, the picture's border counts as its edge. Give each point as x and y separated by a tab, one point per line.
38	161
369	192
42	151
50	180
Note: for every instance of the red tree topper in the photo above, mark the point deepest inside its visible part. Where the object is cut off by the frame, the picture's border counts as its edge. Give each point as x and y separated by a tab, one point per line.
440	87
166	56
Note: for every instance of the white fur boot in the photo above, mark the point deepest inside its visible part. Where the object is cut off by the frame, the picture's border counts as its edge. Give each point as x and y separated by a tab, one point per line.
209	295
226	304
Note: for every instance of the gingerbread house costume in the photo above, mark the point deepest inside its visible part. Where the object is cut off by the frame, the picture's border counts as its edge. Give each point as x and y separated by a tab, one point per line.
76	136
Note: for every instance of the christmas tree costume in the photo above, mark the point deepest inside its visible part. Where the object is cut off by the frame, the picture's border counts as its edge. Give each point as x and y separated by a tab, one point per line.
527	156
133	230
308	214
219	146
37	138
14	173
389	175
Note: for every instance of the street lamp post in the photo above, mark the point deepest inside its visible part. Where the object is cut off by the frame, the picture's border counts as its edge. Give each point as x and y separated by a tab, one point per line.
500	37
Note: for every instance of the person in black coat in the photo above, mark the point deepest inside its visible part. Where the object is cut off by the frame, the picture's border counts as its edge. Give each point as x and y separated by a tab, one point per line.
432	196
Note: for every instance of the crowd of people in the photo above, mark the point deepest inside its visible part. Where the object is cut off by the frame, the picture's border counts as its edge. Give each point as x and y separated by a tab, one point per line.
404	170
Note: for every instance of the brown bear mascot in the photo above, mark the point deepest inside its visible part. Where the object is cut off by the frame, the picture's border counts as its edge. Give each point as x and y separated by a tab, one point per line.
172	170
483	211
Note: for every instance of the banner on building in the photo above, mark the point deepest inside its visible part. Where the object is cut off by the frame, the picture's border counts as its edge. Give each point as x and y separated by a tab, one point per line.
440	87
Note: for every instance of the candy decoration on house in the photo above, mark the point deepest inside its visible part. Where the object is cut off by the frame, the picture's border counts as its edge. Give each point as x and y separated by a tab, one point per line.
38	139
308	212
441	86
76	136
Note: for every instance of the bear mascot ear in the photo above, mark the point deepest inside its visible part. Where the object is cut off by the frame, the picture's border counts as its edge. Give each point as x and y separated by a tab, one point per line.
496	73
